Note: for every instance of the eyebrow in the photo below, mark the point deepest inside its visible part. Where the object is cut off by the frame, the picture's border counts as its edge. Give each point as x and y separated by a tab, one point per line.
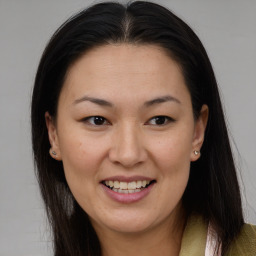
162	99
97	101
149	103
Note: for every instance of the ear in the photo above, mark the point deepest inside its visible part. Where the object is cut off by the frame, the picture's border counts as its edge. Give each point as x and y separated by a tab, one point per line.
199	132
53	137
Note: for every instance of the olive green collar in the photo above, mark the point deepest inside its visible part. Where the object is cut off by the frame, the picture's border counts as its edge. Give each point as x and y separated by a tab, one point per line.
194	237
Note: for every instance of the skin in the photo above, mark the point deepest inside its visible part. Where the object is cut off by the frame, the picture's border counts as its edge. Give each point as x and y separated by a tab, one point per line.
128	143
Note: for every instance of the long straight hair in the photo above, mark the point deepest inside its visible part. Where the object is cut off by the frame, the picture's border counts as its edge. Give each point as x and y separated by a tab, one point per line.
212	190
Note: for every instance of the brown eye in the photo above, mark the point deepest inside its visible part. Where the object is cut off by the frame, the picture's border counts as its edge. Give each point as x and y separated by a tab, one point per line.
160	120
96	120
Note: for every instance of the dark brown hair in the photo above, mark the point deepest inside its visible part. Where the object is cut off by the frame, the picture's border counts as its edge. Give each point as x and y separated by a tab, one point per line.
212	190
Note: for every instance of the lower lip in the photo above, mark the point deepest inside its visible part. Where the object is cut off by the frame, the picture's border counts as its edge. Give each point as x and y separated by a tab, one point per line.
127	198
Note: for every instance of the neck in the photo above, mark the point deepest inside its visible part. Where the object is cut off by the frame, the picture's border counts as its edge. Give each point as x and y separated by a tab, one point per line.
165	240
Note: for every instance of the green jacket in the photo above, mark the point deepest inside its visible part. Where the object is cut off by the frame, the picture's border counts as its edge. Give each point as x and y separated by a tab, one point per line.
195	235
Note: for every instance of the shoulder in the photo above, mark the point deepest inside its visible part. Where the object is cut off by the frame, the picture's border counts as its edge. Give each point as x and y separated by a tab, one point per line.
245	243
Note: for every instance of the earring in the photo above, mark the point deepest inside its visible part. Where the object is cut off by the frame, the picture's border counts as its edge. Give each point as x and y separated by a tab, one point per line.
196	152
54	153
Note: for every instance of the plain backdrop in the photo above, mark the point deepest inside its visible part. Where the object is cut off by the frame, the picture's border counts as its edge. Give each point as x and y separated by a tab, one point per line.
228	32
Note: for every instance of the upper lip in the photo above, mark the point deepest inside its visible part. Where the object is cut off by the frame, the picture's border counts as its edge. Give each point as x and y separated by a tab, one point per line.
127	179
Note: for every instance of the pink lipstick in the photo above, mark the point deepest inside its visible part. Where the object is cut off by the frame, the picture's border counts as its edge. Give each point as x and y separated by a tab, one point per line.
127	189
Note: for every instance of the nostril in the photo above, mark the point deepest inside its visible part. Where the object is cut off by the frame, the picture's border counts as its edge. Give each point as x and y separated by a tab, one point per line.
127	150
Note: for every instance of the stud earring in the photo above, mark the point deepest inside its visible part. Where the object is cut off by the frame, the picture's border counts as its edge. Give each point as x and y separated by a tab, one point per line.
196	152
54	153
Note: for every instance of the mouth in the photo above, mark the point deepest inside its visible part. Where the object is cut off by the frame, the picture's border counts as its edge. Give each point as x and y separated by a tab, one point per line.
131	187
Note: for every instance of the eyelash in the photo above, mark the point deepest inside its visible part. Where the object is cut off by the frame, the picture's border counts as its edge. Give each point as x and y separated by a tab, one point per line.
87	120
167	120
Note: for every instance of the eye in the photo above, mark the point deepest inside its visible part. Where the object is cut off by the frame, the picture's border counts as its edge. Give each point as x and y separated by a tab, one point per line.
160	120
96	120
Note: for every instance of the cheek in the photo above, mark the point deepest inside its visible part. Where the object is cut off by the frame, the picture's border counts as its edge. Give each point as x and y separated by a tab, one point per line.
174	164
173	151
82	157
81	162
80	152
172	158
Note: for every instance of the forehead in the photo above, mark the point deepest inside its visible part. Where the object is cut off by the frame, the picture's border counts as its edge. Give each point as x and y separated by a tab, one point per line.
122	69
123	57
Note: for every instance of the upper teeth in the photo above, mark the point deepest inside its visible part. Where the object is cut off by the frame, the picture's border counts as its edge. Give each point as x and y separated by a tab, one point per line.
127	185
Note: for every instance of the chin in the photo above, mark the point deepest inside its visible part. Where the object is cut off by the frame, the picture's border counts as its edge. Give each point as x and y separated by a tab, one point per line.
129	227
129	222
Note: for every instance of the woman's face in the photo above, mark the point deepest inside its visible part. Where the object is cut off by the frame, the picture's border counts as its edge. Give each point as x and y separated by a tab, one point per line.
126	135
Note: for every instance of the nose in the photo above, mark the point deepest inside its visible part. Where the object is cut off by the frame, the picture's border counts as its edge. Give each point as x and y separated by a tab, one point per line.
127	147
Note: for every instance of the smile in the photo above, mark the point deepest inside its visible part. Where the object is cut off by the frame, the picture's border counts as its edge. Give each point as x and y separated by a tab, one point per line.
127	187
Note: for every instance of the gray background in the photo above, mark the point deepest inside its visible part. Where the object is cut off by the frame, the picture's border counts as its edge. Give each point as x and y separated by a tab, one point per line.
228	31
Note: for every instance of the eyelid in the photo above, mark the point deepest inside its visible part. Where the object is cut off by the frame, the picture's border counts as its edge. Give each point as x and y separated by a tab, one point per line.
168	118
86	120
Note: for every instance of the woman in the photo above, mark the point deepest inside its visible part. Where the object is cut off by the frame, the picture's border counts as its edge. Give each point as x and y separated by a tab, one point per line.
130	141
